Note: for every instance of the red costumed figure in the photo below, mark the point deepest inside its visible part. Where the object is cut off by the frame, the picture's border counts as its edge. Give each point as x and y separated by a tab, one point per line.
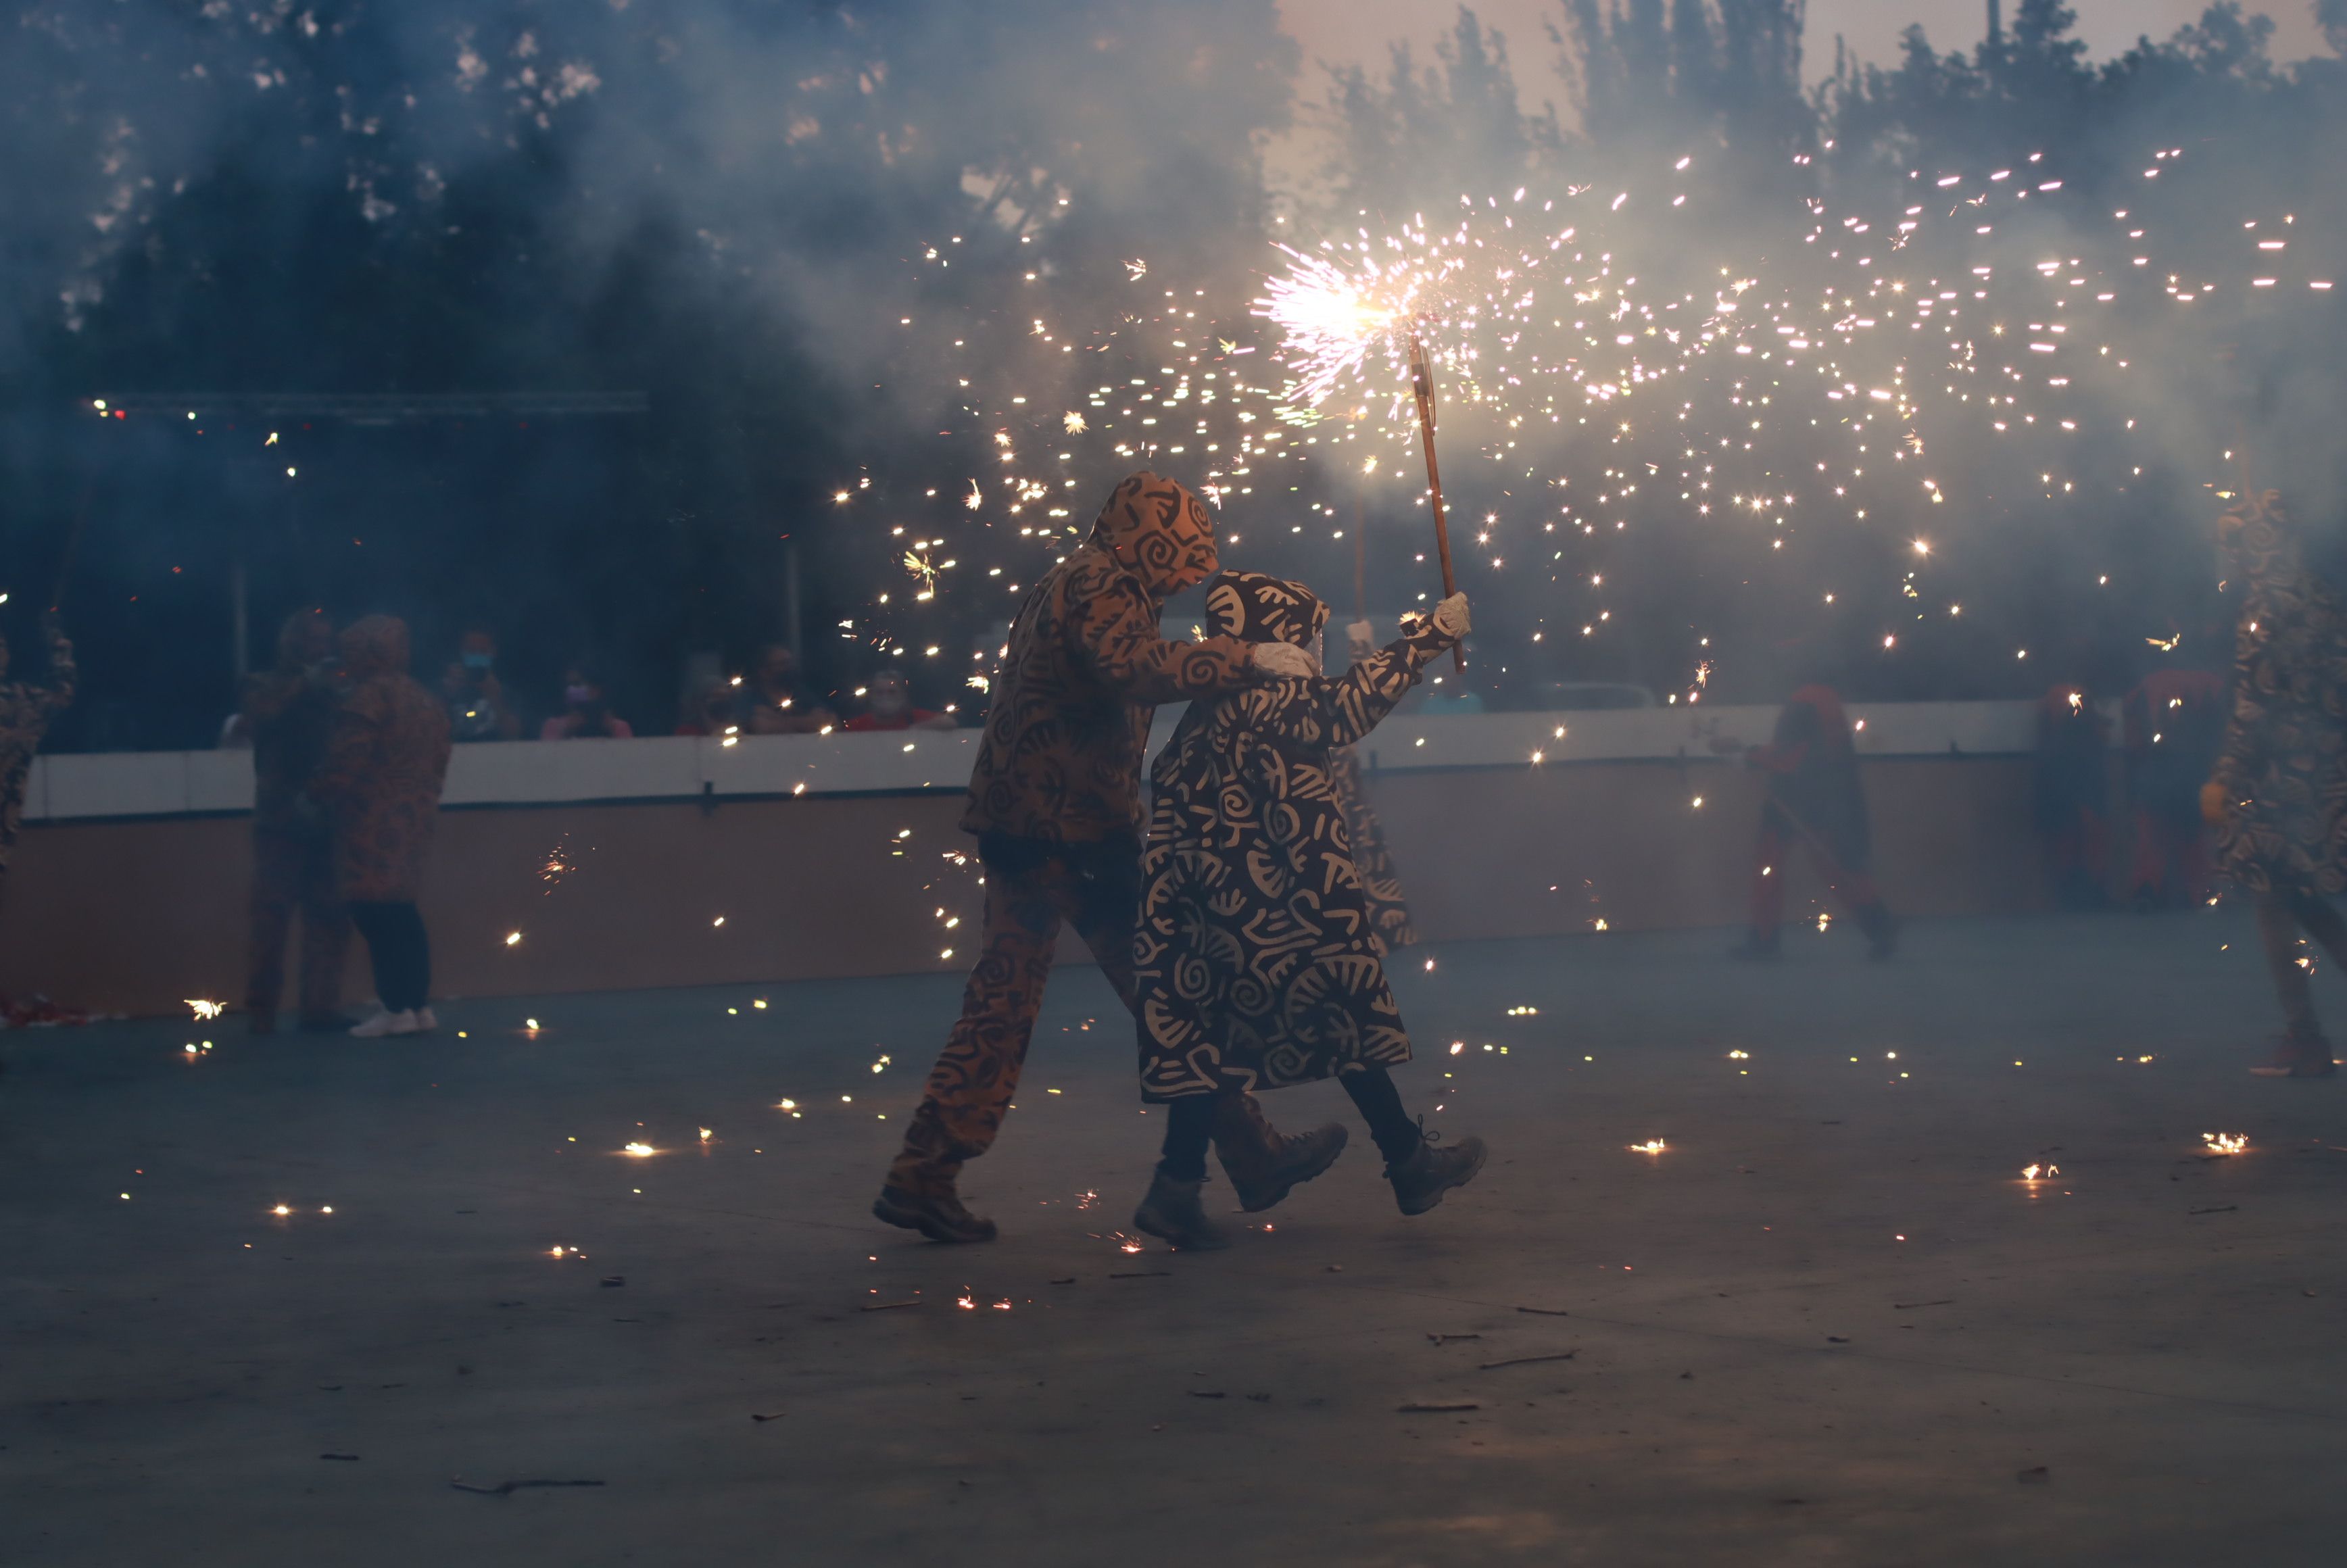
2172	724
1816	803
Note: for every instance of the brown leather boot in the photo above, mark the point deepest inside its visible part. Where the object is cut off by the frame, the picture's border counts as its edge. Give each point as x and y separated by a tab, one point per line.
1264	1167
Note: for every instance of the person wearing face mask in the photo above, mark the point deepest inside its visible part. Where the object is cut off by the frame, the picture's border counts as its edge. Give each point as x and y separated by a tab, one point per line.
890	707
584	715
478	709
772	703
286	716
1055	801
1254	962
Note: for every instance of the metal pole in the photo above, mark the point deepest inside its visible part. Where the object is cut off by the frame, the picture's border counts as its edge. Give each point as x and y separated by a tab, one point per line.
791	599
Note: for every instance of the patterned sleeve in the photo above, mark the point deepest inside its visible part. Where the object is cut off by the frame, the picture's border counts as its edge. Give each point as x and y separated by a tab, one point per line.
1323	711
1116	629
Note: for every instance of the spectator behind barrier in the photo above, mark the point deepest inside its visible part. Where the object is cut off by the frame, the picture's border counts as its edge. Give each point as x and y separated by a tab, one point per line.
889	706
584	717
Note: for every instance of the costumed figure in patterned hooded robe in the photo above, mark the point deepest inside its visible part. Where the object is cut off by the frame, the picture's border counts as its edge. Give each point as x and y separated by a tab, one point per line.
2278	798
26	709
287	714
1256	962
387	758
1055	801
1815	801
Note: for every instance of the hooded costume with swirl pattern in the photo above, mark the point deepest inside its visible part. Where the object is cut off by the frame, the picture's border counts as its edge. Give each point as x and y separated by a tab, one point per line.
2283	765
1256	961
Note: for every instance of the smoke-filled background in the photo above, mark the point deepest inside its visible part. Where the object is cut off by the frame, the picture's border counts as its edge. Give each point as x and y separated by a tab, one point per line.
1920	368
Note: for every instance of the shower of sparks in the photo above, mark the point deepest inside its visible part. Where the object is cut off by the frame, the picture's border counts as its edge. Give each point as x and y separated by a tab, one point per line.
1651	1146
640	1151
2225	1142
205	1010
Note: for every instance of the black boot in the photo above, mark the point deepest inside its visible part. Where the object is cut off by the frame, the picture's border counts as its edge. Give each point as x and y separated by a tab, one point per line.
936	1212
1264	1166
1429	1171
1171	1212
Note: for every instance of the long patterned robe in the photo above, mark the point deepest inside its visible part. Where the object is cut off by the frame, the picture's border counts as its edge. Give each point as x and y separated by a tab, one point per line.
1390	924
2283	767
1256	963
387	758
26	709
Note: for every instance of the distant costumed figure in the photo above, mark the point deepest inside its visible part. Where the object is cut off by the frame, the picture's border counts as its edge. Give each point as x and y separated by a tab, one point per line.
27	708
2172	723
1055	803
1256	962
386	759
1817	803
2279	797
287	716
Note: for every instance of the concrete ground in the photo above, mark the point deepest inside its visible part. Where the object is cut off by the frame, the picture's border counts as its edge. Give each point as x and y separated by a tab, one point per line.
1827	1324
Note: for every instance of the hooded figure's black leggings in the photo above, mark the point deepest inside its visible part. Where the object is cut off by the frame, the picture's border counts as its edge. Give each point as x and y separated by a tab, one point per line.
400	951
1190	1123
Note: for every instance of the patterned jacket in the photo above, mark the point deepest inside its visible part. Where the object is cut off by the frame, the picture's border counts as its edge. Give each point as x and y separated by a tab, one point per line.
385	759
288	714
1256	962
26	708
1086	669
2283	766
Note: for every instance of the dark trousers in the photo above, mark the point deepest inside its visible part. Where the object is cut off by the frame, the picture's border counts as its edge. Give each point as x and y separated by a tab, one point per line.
1031	890
401	952
1855	889
1190	1123
294	873
2282	914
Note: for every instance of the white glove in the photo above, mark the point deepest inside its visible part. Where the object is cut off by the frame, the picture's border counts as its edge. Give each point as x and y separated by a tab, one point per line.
1451	618
1362	639
1282	662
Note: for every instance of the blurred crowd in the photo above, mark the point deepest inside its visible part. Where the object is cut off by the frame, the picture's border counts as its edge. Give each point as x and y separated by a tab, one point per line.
769	698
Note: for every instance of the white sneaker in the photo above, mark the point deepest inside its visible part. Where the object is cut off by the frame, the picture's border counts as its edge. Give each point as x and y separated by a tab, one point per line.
427	1020
384	1024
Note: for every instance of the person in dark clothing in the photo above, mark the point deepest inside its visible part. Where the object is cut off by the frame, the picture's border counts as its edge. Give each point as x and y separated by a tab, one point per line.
1055	803
2072	796
27	708
286	716
2172	724
1256	963
387	758
2278	799
1815	801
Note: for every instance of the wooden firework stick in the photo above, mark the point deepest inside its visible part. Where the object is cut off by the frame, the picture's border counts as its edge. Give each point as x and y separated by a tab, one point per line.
1421	381
1360	562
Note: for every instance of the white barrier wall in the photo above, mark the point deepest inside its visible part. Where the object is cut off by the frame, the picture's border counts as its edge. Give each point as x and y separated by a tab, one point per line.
542	772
